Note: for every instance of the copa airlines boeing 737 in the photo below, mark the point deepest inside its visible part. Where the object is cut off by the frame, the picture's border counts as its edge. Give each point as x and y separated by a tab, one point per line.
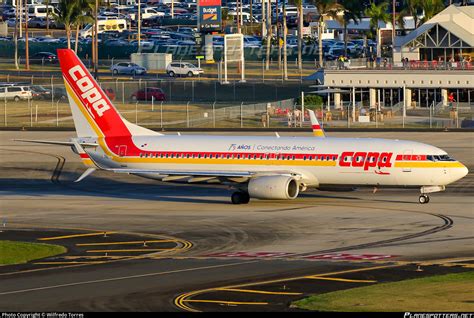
257	167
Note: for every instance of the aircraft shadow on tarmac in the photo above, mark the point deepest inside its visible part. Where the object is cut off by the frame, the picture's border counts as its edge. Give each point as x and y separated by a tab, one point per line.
144	189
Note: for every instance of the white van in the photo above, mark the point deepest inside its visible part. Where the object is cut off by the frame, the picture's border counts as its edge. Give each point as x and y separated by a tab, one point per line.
16	93
147	13
39	11
118	25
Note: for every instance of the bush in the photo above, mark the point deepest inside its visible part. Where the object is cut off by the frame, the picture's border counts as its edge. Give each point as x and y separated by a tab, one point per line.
312	102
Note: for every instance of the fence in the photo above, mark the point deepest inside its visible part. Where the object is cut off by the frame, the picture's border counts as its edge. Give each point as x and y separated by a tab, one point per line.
165	114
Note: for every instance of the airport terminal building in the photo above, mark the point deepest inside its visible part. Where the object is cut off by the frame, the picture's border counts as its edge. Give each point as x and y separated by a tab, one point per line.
433	67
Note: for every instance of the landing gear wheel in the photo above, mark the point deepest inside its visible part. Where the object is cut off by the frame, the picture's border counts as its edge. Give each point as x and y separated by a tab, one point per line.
423	199
240	197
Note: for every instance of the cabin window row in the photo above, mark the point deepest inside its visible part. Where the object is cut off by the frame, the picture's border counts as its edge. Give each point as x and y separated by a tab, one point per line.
229	156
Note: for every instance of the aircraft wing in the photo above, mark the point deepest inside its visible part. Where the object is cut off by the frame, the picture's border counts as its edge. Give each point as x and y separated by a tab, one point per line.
200	173
186	173
204	176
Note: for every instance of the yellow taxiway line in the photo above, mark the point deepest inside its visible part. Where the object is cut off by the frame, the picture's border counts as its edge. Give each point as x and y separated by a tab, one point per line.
181	299
97	257
127	243
69	263
225	302
73	236
258	291
133	250
342	279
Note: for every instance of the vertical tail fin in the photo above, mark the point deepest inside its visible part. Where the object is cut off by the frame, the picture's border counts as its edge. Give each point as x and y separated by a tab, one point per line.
317	130
93	113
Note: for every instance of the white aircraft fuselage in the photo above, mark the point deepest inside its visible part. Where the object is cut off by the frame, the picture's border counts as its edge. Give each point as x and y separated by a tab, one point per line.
259	167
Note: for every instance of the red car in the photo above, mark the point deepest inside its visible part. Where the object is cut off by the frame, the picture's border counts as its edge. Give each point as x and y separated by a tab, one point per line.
148	93
110	93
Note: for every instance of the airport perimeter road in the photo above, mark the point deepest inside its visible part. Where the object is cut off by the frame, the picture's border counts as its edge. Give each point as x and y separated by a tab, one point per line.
185	247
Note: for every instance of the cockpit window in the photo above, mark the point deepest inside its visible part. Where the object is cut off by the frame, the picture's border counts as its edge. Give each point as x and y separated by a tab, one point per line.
439	158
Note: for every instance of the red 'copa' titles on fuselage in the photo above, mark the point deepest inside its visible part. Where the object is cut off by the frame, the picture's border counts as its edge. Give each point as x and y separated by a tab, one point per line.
365	159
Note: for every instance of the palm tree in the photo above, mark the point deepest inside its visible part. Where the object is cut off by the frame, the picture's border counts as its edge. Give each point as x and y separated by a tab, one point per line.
285	51
15	36
326	8
47	17
269	33
68	12
86	7
351	12
411	9
431	8
377	13
299	8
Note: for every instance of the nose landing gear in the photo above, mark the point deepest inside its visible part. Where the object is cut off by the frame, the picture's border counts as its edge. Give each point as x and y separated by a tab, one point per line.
424	199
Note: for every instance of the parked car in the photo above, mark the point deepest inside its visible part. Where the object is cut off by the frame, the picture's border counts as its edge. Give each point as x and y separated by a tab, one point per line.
110	93
59	93
44	58
186	69
37	22
39	92
149	93
16	93
128	68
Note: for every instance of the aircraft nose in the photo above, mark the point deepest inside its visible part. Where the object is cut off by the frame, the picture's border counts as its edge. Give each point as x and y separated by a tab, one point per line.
461	172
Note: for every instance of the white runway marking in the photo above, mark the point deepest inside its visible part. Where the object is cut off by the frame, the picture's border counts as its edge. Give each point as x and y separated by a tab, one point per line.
122	278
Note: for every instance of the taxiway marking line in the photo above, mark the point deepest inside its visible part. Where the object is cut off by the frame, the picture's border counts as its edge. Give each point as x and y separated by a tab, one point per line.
133	250
96	257
179	301
123	278
73	236
342	279
127	243
225	302
251	291
68	263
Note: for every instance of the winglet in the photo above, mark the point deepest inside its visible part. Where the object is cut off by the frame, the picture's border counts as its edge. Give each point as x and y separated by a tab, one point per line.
317	129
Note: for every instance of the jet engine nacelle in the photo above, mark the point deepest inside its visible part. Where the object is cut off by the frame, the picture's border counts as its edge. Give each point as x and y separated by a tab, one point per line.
273	188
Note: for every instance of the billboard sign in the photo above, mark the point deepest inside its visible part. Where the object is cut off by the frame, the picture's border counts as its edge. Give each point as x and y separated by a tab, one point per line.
209	15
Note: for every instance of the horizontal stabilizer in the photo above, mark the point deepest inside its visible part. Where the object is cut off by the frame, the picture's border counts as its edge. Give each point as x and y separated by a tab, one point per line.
86	173
60	143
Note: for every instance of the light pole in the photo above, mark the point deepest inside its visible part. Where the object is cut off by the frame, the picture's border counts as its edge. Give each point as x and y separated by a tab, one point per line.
238	17
393	31
139	23
16	38
27	48
285	53
96	40
172	9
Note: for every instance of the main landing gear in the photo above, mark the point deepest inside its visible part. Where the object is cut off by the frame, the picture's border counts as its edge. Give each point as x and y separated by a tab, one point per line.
240	197
424	199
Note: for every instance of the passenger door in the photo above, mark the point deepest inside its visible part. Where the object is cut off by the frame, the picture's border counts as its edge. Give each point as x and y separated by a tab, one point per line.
407	157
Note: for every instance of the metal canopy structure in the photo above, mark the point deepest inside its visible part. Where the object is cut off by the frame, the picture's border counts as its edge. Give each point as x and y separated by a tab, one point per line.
438	37
452	28
330	91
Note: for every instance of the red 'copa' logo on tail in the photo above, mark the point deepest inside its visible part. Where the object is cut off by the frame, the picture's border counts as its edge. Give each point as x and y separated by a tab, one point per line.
89	92
365	159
